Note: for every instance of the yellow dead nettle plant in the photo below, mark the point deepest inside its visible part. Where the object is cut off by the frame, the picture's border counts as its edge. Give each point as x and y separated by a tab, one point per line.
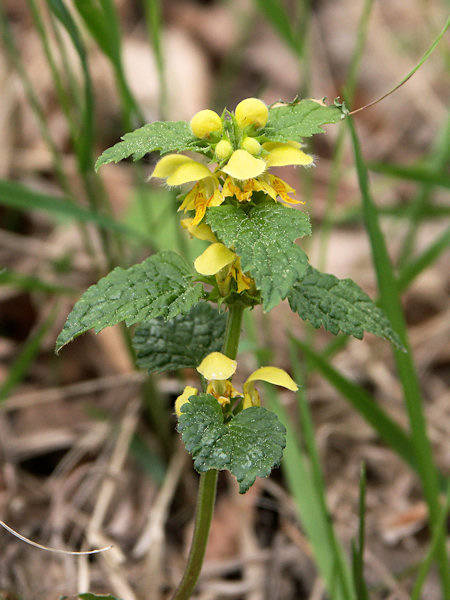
222	262
246	169
218	369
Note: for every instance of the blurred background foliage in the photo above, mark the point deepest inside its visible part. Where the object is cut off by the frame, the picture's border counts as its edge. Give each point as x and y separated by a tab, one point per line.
88	450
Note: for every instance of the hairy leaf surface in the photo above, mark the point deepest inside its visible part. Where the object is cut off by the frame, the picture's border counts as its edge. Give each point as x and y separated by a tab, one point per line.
339	305
249	446
264	239
161	285
182	342
293	122
161	136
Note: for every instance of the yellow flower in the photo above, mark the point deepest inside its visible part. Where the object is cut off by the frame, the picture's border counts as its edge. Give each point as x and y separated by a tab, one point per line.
271	375
214	259
248	174
204	194
205	122
218	369
217	366
177	169
201	232
222	262
243	165
187	393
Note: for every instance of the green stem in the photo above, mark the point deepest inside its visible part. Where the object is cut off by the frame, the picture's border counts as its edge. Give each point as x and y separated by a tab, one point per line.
233	330
208	481
205	508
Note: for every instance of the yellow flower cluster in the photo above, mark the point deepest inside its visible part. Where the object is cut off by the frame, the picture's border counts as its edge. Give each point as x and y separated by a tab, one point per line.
218	369
242	164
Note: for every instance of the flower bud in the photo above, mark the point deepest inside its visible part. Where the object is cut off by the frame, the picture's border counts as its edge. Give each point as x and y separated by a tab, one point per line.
205	122
251	111
223	150
251	145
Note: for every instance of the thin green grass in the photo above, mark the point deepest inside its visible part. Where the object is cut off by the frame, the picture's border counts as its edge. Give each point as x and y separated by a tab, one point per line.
437	539
426	55
309	504
338	150
392	434
29	283
359	582
307	429
20	197
153	20
14	56
86	106
27	355
390	301
61	175
422	201
416	173
304	478
416	266
101	19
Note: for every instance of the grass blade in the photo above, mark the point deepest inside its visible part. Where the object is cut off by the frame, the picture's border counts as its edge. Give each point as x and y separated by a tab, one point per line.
153	20
100	17
358	550
391	433
15	58
338	149
27	354
28	283
425	56
276	13
307	427
438	537
18	196
87	133
390	301
421	204
424	260
414	173
308	502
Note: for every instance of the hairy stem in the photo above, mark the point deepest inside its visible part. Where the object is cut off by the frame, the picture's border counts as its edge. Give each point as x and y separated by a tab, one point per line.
208	481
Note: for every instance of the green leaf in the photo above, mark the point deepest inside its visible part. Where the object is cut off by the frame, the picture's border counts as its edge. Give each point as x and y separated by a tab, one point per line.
264	239
249	446
159	286
181	342
161	136
293	122
339	305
